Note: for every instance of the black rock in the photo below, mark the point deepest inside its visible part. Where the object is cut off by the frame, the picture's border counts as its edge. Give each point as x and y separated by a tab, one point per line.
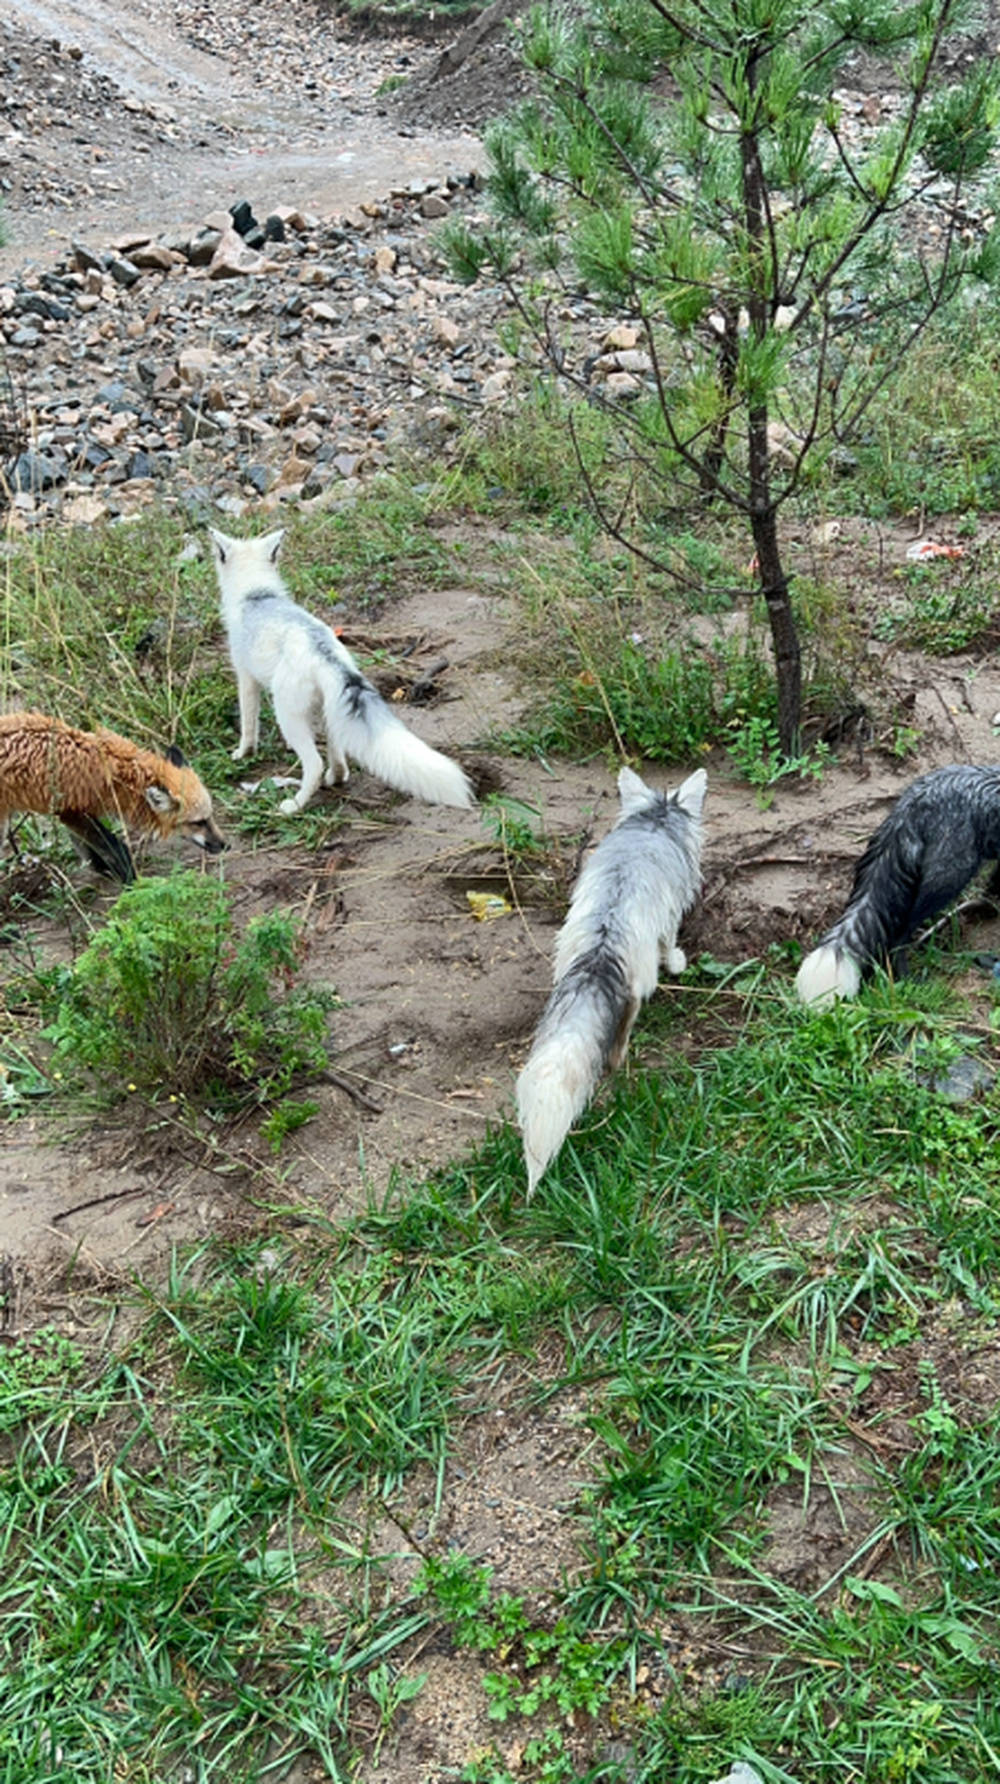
259	478
203	246
87	260
123	271
117	396
36	471
243	217
274	229
92	456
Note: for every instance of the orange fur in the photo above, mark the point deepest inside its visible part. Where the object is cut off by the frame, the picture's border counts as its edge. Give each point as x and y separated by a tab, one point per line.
47	766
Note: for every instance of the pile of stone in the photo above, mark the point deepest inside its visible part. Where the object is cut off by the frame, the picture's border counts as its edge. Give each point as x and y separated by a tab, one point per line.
241	359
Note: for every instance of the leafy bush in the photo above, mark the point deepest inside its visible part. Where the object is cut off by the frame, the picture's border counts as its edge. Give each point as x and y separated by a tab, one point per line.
165	998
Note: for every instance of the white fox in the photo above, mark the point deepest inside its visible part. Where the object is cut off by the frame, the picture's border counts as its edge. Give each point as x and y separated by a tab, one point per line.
625	911
314	682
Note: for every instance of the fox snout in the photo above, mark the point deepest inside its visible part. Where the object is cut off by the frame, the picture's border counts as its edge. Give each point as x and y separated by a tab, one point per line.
206	836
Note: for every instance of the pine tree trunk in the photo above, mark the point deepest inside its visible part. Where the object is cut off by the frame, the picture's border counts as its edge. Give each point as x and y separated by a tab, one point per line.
784	635
763	514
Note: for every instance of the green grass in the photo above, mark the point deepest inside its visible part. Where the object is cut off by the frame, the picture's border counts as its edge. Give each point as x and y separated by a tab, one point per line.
931	442
758	1273
633	694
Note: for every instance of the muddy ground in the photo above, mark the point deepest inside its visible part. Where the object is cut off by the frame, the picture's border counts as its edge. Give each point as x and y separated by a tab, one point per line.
438	1007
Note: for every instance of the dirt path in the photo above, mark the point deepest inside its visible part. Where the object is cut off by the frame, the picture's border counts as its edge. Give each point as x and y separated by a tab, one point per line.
126	117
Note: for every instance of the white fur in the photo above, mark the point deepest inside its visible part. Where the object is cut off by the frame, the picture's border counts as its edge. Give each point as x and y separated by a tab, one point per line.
827	974
624	915
277	645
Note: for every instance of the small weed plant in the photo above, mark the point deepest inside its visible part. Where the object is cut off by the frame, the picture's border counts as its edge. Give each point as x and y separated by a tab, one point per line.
34	1371
754	748
166	999
513	825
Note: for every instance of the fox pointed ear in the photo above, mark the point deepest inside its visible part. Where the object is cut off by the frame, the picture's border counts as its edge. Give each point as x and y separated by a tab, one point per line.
174	756
690	795
632	791
160	801
271	544
221	545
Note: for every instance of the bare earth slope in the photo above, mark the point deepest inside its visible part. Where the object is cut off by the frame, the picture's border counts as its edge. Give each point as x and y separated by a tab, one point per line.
150	115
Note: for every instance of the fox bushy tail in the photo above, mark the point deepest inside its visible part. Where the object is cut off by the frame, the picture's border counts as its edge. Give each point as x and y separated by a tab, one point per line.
369	730
869	929
584	1027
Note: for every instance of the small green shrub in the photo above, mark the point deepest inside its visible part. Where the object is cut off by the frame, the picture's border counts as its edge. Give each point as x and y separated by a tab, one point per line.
754	749
166	998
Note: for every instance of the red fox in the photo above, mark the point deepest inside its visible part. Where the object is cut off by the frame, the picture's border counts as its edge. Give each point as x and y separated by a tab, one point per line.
76	776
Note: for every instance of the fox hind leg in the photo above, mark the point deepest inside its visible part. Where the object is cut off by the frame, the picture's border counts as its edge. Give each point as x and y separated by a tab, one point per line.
619	1046
674	958
249	692
297	732
337	772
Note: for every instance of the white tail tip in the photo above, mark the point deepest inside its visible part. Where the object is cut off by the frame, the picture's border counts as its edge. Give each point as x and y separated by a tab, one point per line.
826	975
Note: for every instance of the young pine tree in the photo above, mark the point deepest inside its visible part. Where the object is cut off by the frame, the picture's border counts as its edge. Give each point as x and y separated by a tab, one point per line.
687	165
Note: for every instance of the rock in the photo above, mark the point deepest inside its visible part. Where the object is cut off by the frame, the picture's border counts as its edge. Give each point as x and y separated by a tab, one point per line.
243	217
195	363
83	509
434	205
124	272
495	387
259	478
35	471
299	222
963	1079
622	386
294	408
633	359
86	260
155	257
202	247
233	259
196	424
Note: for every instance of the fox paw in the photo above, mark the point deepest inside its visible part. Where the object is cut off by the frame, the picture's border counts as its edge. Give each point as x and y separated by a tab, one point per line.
288	806
241	750
336	777
676	961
